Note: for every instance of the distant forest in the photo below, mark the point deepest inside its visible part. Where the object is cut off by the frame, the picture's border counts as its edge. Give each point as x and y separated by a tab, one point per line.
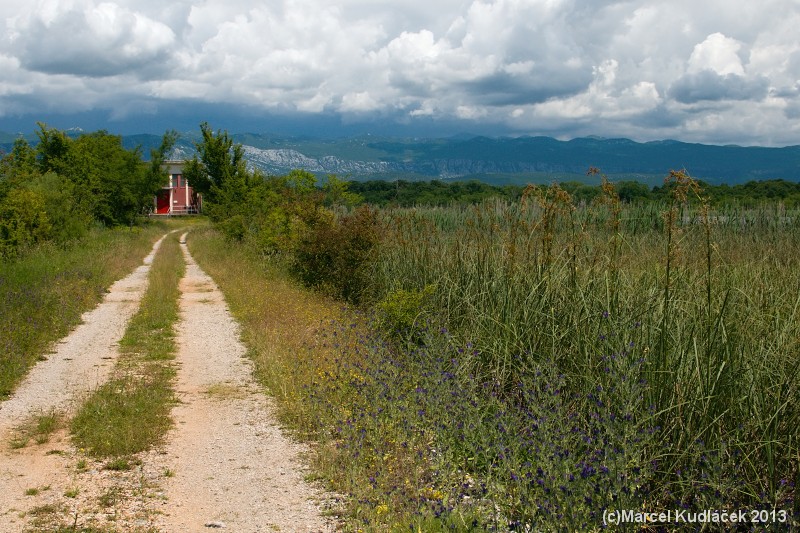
437	192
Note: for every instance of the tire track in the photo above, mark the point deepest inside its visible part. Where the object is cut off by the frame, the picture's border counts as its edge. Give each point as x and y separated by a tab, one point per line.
232	466
78	364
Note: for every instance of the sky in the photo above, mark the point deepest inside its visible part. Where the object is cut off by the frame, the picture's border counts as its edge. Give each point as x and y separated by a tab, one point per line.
710	71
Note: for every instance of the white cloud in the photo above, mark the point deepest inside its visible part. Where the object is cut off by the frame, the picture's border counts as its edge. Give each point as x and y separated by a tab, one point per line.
717	53
88	38
359	102
613	67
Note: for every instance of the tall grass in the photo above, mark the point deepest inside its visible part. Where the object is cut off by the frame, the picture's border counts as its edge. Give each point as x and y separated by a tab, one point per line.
548	362
708	300
44	293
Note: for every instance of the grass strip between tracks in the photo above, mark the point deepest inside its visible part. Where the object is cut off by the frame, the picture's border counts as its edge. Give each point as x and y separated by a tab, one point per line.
131	412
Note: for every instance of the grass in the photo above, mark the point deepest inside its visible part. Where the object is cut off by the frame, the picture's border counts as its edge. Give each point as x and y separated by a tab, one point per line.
44	294
119	464
551	362
131	412
225	391
38	428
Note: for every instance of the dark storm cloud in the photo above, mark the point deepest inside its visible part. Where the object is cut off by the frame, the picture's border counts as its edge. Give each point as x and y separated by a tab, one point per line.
504	89
708	85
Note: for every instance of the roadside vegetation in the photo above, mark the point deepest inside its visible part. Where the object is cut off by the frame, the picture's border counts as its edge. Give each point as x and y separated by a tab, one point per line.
530	363
70	224
130	413
44	293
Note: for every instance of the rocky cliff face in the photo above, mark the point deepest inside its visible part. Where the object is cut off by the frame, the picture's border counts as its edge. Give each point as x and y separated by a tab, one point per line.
281	161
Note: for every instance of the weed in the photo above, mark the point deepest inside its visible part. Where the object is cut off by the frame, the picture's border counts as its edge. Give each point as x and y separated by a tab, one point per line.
41	511
223	391
109	497
118	464
38	428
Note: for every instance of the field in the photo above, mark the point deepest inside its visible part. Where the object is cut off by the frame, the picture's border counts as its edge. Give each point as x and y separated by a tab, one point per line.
531	364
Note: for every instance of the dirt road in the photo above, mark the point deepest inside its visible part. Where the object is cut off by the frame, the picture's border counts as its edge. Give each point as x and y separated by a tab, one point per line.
225	465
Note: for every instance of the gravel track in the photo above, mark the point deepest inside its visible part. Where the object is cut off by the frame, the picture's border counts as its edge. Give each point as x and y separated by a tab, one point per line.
78	364
83	359
225	464
232	466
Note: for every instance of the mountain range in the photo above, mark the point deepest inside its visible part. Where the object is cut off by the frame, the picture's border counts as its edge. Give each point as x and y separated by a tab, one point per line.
497	160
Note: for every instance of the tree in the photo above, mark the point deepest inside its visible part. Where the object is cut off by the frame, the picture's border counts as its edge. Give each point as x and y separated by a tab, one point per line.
337	193
52	152
110	183
20	163
220	161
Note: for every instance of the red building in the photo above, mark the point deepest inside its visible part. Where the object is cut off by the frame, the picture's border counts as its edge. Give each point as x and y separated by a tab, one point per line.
178	197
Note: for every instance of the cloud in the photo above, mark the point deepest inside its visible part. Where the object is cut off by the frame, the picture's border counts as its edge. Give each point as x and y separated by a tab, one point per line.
717	53
90	39
613	67
707	85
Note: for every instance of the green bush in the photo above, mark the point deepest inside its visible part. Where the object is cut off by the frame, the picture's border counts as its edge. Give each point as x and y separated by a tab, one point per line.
233	228
402	311
62	207
335	255
23	221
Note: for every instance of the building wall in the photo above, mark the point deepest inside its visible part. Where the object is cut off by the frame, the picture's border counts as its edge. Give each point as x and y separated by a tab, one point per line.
177	197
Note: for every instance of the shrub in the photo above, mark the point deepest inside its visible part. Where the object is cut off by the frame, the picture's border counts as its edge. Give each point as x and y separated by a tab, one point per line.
23	221
401	310
233	228
335	255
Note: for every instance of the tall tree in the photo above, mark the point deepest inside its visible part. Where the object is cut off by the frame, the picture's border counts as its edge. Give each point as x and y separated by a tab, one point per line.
220	161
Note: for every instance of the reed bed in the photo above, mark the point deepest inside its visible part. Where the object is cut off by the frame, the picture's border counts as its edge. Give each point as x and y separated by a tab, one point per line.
529	365
697	308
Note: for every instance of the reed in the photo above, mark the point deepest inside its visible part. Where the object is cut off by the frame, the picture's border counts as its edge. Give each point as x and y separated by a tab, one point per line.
707	298
548	361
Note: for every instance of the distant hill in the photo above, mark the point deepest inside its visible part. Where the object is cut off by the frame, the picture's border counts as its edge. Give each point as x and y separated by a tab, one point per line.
497	160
